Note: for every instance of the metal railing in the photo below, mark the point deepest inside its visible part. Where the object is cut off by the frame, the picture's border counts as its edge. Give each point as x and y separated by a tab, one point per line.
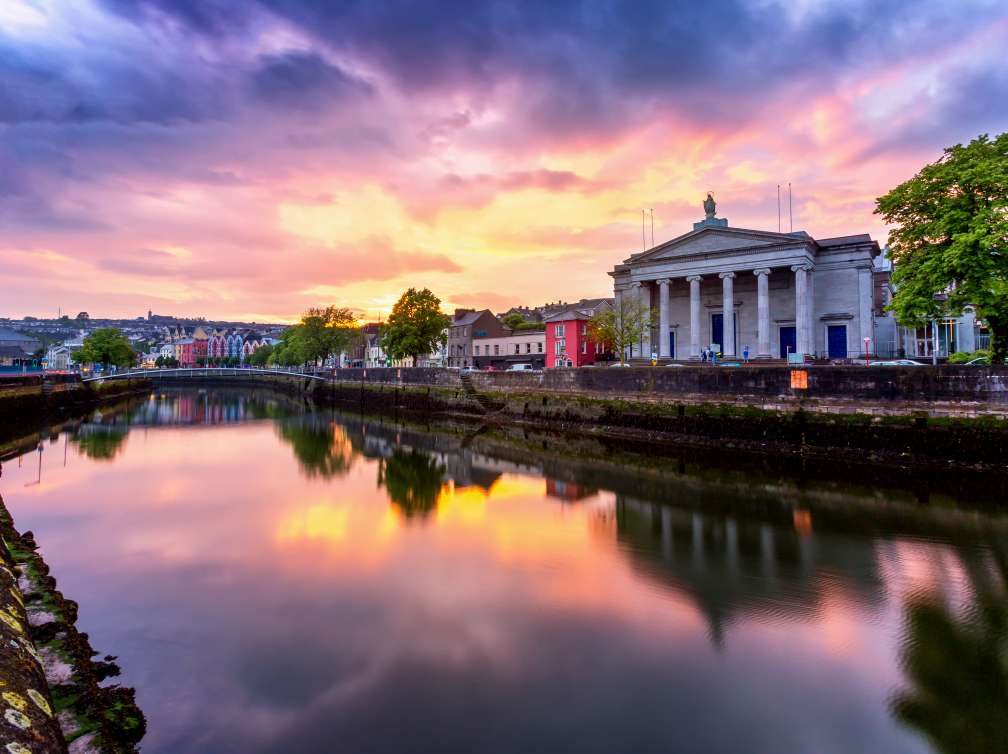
190	372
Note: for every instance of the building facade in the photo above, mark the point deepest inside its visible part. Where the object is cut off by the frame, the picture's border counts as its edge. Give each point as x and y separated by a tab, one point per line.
466	325
568	337
735	290
513	347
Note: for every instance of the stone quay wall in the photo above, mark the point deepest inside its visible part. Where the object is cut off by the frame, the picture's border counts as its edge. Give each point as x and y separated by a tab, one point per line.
974	388
934	419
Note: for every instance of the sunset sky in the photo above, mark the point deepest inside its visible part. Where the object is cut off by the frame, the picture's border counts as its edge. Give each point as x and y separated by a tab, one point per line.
250	159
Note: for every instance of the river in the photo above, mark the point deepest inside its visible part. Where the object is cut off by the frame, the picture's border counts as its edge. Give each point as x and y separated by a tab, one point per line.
273	580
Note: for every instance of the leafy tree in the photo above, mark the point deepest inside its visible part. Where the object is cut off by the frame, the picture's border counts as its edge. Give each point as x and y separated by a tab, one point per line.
106	346
951	237
261	356
619	328
415	327
513	320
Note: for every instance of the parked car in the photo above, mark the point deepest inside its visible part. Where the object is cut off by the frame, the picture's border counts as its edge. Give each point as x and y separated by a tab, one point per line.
896	363
520	368
982	361
620	364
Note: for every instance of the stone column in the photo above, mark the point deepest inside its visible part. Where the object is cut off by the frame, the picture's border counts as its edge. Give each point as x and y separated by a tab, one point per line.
728	307
694	315
763	313
812	330
645	338
865	308
663	318
801	310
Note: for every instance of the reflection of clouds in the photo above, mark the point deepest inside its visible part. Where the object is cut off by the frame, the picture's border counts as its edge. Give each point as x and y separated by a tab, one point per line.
261	610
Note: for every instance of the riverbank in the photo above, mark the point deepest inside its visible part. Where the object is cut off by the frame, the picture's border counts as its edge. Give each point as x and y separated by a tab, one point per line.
908	439
49	676
30	403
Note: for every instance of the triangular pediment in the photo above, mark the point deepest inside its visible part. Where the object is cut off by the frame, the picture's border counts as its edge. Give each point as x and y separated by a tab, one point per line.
707	240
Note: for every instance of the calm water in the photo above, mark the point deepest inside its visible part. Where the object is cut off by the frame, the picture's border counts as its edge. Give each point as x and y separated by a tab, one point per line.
279	582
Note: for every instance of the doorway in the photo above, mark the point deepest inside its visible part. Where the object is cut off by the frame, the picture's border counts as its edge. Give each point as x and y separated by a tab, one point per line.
836	341
671	344
717	330
788	341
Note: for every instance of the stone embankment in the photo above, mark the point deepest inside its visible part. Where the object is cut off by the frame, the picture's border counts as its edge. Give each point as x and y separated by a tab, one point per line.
25	402
51	687
913	417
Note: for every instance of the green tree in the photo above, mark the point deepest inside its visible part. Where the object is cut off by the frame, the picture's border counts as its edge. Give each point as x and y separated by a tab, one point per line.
415	327
106	346
951	237
513	321
261	356
620	327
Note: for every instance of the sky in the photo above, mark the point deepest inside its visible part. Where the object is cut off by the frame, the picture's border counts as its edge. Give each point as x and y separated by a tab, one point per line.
248	160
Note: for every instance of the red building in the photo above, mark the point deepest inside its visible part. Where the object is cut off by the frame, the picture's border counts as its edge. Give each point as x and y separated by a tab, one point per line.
568	340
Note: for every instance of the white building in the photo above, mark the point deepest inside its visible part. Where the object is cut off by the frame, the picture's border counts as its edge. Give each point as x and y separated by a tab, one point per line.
773	294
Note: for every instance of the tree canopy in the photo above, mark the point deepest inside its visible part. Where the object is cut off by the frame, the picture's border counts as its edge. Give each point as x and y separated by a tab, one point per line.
416	325
621	327
321	334
949	243
106	346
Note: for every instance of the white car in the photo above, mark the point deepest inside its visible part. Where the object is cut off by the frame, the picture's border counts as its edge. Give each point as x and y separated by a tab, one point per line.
519	367
896	363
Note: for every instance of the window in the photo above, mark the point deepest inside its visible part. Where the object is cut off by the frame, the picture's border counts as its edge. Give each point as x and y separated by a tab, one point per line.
539	346
496	350
561	346
584	346
558	330
528	348
475	350
584	329
517	348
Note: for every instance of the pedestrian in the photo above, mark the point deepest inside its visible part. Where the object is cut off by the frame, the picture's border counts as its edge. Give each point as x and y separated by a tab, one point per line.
745	354
703	356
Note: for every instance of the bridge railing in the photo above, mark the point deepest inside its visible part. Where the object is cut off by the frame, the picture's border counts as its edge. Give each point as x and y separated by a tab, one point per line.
190	372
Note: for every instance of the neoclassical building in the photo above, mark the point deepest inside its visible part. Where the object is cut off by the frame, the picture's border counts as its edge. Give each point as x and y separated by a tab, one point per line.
737	289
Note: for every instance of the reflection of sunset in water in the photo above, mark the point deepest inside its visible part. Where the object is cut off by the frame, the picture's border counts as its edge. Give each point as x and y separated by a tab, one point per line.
271	584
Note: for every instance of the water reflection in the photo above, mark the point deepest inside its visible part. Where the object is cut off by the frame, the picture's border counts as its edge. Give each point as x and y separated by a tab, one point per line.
277	581
413	480
955	659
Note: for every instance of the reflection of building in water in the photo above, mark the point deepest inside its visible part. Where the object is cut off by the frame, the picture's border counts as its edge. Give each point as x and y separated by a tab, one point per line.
731	567
568	491
204	407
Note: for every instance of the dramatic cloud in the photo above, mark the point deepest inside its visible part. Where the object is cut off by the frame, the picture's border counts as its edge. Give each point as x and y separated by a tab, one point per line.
226	159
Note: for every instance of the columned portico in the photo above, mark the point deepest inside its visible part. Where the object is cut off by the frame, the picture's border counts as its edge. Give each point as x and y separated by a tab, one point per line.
728	308
663	318
694	315
762	312
780	310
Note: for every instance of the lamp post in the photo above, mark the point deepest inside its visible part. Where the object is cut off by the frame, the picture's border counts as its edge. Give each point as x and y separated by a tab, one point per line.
866	342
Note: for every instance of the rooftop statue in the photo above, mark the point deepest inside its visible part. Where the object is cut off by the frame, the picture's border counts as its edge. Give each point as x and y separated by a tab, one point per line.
710	207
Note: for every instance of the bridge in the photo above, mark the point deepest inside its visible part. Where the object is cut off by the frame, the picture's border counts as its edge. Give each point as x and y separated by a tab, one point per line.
191	373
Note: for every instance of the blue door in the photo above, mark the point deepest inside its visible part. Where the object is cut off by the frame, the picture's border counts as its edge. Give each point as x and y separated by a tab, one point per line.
788	341
717	330
671	344
836	341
